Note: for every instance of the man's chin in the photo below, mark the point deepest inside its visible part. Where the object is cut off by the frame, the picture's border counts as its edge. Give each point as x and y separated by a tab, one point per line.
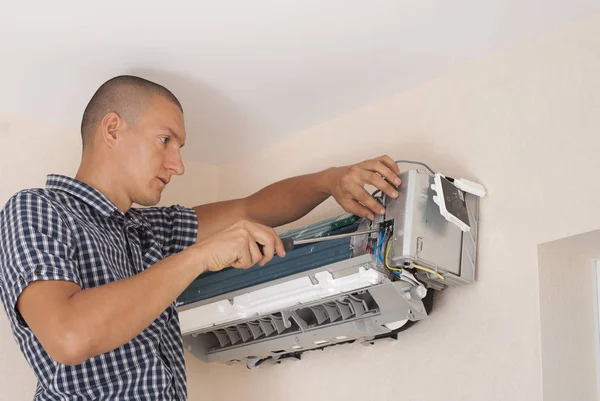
149	201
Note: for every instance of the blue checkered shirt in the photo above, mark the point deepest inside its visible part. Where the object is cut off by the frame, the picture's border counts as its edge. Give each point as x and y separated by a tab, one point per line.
70	231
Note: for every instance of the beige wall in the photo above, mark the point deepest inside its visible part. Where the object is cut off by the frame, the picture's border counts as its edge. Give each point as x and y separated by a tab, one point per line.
525	123
568	315
29	151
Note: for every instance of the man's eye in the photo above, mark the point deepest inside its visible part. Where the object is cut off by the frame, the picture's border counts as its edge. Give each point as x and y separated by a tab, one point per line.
164	139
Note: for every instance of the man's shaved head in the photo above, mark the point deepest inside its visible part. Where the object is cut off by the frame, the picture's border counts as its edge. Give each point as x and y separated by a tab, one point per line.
126	95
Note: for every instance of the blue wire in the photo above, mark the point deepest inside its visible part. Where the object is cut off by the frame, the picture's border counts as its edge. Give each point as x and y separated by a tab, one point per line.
377	247
379	250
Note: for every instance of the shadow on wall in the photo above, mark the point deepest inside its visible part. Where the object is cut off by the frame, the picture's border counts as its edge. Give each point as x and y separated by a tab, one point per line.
212	120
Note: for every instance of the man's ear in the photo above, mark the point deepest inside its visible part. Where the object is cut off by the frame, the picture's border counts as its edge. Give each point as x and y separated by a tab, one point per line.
110	127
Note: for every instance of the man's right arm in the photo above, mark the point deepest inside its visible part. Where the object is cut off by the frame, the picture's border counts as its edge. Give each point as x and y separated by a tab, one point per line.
74	325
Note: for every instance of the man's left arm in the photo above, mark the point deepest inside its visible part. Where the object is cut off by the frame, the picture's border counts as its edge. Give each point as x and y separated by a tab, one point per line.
290	199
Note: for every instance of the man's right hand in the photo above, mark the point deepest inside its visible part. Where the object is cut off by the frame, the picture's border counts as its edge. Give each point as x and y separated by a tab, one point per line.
237	247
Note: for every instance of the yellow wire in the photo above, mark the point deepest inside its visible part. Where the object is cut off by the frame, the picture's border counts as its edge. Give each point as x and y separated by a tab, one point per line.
428	270
387	253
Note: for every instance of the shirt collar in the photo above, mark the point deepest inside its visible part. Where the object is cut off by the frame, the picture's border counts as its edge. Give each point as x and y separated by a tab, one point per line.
88	194
94	198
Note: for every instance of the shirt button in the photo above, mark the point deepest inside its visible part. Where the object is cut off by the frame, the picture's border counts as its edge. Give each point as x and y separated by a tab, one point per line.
37	272
21	280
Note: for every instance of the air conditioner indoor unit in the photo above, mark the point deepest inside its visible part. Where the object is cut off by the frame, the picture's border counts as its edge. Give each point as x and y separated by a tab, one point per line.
355	279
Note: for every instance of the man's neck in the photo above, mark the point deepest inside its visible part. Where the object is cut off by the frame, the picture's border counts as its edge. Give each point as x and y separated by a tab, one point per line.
101	178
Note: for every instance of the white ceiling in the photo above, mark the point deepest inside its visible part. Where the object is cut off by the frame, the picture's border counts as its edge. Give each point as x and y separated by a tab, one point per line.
250	72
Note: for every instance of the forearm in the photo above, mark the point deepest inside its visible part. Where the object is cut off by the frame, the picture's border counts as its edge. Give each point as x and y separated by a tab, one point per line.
288	200
103	318
279	203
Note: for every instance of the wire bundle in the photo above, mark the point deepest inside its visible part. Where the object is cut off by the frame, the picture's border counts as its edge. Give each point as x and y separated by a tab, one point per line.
398	271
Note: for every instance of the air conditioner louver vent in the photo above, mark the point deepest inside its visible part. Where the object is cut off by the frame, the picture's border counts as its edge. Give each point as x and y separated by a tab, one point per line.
345	308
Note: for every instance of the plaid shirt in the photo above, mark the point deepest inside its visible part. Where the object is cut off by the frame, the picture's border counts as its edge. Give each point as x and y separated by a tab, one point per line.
70	231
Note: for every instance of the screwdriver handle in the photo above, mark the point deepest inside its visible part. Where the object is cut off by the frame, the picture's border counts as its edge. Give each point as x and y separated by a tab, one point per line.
288	245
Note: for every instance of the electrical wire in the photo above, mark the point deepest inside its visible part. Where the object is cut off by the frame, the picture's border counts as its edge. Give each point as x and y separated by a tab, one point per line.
395	269
428	270
382	201
415	162
388	246
379	250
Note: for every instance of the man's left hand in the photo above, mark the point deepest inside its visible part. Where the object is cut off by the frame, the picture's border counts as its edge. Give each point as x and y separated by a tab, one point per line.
347	185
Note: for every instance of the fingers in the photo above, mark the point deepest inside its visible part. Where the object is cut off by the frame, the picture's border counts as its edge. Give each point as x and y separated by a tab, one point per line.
382	173
378	182
390	163
248	252
352	206
244	255
243	245
266	249
384	170
365	198
255	253
279	247
269	240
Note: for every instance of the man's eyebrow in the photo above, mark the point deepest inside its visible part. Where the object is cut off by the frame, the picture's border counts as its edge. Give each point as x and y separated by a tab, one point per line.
181	143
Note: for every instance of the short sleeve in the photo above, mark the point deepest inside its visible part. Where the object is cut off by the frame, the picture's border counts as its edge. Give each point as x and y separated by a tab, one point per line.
175	227
37	244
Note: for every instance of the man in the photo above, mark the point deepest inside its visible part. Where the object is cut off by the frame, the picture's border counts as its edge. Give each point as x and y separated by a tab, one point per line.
89	283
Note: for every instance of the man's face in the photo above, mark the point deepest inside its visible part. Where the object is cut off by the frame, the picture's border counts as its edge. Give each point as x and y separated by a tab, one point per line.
150	153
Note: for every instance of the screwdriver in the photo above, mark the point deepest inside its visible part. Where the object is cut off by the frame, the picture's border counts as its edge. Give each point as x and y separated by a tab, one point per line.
290	243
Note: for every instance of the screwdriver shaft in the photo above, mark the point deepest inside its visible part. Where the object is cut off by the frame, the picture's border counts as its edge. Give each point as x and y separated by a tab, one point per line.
332	237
